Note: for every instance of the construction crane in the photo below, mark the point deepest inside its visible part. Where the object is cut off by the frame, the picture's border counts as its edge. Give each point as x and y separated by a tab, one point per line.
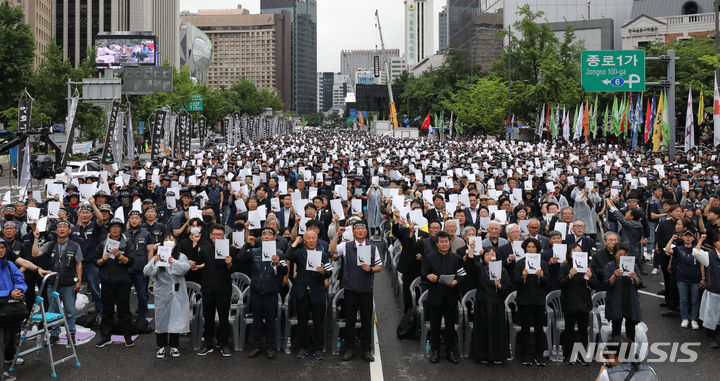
393	112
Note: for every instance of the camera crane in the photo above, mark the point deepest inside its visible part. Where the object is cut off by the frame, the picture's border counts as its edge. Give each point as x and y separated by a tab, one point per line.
10	139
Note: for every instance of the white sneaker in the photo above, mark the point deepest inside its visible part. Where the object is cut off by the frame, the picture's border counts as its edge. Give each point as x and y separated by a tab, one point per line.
684	323
695	324
654	271
175	352
160	353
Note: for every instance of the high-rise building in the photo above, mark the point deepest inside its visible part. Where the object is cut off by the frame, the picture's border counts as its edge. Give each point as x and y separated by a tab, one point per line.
303	50
160	17
419	30
195	51
256	47
352	61
341	88
76	23
397	66
443	30
38	14
73	33
325	91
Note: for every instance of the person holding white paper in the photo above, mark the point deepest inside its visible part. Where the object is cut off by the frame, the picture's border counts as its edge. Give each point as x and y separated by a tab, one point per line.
530	300
489	343
410	256
555	256
170	297
357	282
622	301
266	279
576	287
115	283
440	271
216	291
309	292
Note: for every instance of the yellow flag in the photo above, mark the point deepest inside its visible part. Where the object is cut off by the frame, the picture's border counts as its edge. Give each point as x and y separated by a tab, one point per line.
701	111
657	127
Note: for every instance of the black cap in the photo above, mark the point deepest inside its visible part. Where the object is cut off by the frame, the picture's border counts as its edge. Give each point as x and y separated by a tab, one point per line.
116	221
134	213
60	223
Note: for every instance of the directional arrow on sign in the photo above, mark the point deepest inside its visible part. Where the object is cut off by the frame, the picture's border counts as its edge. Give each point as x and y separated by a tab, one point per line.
606	81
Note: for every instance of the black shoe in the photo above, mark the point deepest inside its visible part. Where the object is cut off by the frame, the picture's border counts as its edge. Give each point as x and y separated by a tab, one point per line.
270	354
302	353
348	355
712	339
435	356
663	304
225	351
368	356
103	342
582	361
453	357
539	363
205	350
54	340
527	363
255	352
129	341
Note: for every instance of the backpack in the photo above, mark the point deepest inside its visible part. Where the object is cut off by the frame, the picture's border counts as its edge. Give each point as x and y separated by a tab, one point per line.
407	329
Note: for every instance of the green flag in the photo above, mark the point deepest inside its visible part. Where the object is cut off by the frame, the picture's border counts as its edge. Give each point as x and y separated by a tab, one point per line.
615	119
606	120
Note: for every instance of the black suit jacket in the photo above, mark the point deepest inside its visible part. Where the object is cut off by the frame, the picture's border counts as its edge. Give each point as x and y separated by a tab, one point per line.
281	220
307	279
434	215
216	275
440	294
586	243
469	220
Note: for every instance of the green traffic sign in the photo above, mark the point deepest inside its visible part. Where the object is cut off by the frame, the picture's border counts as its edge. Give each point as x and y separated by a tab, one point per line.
196	104
612	70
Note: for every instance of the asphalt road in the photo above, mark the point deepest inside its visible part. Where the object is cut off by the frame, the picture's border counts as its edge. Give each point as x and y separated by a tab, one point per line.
396	360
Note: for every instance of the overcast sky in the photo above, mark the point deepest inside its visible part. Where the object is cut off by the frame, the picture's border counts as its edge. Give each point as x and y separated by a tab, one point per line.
342	24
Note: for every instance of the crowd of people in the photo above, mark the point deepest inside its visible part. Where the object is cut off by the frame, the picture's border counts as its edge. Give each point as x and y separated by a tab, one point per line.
471	214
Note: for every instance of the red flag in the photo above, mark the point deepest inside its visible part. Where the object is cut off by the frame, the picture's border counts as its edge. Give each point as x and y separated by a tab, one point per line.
426	123
547	120
648	116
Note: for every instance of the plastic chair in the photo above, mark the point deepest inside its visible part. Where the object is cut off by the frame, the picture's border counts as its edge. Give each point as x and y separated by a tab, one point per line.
514	325
339	322
234	315
425	325
468	305
196	313
554	304
598	299
241	280
416	291
43	322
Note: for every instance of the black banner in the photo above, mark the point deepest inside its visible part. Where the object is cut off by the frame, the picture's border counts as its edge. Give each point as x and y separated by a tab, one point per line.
24	112
158	133
202	130
108	157
187	135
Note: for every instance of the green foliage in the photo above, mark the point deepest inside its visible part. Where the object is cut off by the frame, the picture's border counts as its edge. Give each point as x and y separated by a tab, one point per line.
17	46
543	69
481	104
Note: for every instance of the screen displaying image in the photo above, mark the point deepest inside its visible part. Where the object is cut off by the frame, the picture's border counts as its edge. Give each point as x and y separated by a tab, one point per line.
116	52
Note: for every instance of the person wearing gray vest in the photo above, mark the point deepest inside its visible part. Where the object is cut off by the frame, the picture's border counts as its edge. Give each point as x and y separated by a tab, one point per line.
66	259
359	264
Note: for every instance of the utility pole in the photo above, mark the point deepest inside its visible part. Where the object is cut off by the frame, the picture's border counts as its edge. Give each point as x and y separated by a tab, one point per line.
507	134
590	1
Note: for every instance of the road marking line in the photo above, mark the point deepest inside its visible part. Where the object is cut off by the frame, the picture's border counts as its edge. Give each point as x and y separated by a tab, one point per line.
376	373
650	294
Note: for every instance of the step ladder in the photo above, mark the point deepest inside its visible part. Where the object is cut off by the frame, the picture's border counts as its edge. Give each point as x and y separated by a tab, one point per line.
44	321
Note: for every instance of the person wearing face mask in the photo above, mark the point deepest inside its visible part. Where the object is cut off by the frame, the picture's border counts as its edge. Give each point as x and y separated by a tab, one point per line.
142	243
170	296
190	247
489	341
